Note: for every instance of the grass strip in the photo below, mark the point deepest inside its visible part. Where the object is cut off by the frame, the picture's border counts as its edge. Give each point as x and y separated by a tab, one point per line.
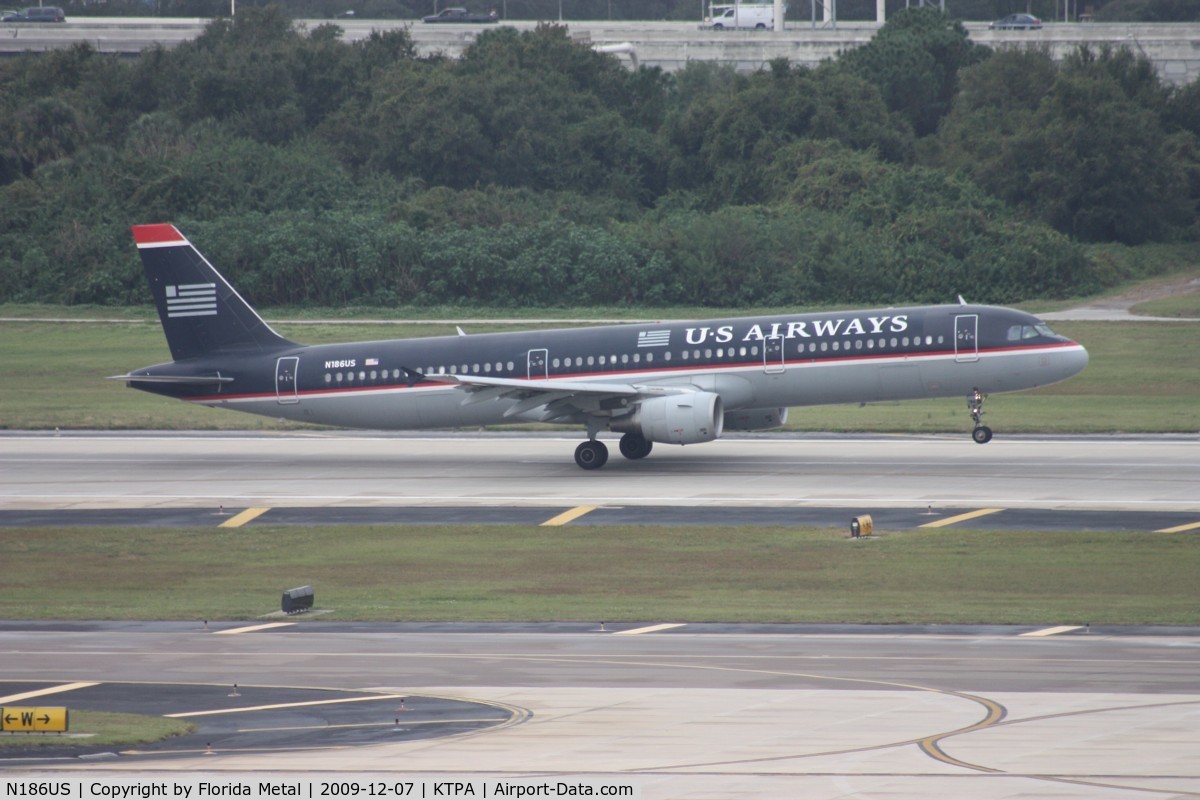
102	729
631	573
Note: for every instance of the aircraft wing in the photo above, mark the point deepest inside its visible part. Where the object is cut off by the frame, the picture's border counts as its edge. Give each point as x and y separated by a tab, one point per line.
559	398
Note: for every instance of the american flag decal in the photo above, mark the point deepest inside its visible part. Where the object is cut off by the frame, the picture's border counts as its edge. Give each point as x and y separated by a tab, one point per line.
372	362
654	338
192	300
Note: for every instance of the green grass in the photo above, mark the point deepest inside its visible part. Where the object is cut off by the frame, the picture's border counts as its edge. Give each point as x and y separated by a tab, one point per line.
1180	306
104	729
621	573
1143	377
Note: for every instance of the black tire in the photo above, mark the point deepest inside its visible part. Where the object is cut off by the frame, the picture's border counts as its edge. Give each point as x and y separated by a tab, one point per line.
591	455
634	446
760	27
982	434
718	27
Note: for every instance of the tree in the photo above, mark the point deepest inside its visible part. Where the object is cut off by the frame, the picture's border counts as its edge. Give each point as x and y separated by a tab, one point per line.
914	60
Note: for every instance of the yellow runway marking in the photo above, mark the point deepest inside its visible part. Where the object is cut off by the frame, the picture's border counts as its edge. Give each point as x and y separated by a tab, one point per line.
1053	631
66	687
250	628
1180	528
244	709
241	519
941	523
650	629
567	516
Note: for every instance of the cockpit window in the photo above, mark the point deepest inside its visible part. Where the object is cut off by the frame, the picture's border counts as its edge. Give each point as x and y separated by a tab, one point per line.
1019	332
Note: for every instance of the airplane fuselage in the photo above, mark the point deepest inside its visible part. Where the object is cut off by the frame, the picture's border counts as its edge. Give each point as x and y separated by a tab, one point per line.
751	362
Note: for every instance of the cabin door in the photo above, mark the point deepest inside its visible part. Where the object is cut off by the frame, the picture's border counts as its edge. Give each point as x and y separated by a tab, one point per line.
285	380
966	338
537	364
773	358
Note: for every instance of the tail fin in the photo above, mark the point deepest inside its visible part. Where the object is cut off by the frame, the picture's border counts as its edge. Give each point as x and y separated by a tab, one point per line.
200	312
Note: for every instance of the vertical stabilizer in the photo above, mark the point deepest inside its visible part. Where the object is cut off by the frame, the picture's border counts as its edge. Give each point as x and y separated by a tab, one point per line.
200	312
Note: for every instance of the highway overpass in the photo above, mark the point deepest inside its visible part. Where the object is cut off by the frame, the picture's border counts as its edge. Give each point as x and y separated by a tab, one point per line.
1174	48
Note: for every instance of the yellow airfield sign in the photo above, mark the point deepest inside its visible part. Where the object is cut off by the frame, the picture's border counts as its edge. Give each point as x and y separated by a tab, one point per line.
34	720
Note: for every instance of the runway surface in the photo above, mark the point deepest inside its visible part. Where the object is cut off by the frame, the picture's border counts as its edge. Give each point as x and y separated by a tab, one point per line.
980	713
679	711
339	470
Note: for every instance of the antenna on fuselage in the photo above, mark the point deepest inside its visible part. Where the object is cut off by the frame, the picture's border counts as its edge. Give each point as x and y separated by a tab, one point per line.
461	332
961	302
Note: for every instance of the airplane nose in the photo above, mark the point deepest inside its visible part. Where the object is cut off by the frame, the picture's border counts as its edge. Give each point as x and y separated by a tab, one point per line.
1076	359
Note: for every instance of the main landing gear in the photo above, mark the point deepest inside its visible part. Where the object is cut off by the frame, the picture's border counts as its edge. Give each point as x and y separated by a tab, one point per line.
635	446
593	454
982	433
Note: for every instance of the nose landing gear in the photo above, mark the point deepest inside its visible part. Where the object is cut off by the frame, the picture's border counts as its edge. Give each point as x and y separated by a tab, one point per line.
982	433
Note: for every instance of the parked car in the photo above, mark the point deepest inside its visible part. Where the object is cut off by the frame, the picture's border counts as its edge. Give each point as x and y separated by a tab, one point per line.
35	14
462	15
1017	22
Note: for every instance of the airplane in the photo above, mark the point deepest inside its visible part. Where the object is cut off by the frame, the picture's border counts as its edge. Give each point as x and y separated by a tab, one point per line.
653	382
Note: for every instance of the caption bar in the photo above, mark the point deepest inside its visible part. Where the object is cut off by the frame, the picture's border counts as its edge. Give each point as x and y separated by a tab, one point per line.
206	786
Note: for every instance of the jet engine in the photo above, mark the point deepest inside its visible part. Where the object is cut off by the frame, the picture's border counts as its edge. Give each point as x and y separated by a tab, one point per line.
755	419
688	418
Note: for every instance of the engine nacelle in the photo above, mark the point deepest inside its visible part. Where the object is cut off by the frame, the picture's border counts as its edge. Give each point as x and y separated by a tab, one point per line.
688	418
755	419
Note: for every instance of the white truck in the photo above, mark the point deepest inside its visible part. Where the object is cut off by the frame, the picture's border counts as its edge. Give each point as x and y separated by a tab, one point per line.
744	16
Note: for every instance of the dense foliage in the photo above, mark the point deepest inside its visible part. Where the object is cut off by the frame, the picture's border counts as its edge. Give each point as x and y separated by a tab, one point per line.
535	171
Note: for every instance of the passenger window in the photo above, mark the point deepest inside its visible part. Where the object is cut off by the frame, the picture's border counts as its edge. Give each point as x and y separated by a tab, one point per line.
1014	333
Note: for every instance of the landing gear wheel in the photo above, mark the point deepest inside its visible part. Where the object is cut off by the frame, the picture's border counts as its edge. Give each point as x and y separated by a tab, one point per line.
634	446
591	454
982	434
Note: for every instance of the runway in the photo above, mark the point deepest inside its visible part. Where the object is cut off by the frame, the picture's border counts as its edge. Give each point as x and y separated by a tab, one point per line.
984	713
678	711
337	470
